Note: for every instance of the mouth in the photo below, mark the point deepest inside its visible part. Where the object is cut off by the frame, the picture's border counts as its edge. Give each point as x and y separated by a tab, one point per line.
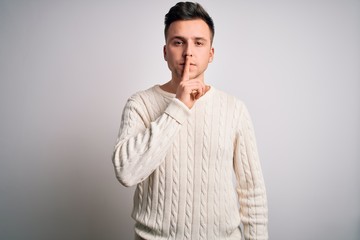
191	64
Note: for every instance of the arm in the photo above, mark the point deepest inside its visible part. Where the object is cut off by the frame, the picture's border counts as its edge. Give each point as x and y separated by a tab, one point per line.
250	183
140	150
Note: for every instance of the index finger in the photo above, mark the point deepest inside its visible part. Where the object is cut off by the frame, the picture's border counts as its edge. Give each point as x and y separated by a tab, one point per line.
186	72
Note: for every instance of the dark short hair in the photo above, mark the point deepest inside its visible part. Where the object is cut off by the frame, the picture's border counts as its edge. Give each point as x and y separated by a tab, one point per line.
188	11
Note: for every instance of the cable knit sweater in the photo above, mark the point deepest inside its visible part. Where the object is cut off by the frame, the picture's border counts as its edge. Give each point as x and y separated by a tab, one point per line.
193	168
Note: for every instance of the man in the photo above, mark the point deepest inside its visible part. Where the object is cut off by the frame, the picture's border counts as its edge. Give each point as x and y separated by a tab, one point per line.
181	142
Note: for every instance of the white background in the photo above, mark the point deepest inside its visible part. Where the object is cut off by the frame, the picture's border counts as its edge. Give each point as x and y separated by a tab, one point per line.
67	68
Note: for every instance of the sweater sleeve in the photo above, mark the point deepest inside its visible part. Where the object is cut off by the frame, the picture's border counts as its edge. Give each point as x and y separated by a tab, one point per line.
250	183
139	150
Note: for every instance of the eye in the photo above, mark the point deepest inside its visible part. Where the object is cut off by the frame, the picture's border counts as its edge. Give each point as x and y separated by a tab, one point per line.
199	43
178	42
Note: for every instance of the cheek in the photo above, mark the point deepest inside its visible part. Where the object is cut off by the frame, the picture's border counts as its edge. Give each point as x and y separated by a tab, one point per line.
175	51
170	55
205	57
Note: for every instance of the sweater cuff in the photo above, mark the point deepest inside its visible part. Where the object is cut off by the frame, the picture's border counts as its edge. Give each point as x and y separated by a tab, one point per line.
177	110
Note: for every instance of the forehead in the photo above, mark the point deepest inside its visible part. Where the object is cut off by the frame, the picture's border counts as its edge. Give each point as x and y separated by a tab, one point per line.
195	28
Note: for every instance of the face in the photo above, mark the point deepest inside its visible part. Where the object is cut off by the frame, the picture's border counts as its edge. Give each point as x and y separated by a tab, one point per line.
188	37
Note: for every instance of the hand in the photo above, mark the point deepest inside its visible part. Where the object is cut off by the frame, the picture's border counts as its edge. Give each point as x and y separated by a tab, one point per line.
189	90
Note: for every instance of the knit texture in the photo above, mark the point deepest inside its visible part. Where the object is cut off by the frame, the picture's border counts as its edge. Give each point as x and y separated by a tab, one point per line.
193	168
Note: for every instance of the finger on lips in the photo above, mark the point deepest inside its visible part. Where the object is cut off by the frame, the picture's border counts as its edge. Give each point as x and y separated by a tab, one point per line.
186	68
197	89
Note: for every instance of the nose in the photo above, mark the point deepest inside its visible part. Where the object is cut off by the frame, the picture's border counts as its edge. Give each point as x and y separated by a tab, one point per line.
188	51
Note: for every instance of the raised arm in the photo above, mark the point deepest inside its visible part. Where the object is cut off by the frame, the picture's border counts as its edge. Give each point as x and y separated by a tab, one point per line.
250	183
139	149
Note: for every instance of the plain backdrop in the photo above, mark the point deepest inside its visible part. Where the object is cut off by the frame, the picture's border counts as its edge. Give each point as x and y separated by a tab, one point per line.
67	68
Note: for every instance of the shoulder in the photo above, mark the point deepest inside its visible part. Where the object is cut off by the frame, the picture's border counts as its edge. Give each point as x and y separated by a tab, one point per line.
142	98
231	101
142	94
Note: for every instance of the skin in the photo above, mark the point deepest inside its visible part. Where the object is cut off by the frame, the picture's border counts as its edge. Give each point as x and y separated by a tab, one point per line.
188	51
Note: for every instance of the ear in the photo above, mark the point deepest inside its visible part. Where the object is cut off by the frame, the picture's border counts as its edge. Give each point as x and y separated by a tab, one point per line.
211	54
164	52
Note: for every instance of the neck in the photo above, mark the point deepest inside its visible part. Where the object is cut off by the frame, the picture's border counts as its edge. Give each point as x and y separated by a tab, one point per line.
171	86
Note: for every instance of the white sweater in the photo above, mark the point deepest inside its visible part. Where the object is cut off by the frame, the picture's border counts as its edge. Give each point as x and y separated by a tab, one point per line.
184	163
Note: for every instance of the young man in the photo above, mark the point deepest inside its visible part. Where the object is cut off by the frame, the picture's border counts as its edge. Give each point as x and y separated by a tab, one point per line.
182	141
